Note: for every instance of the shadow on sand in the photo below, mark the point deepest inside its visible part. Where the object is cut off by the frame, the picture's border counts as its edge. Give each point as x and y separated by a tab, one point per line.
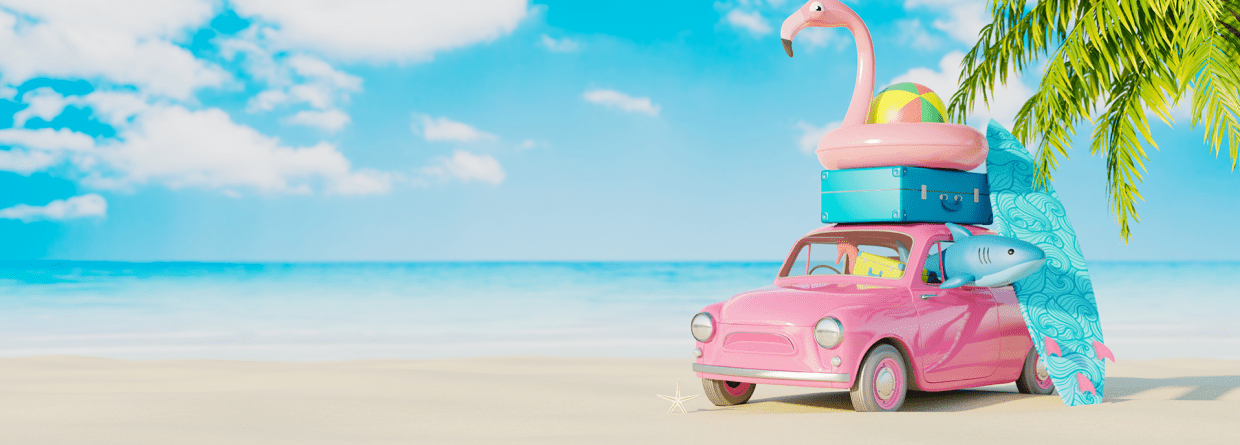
948	401
1200	388
1118	390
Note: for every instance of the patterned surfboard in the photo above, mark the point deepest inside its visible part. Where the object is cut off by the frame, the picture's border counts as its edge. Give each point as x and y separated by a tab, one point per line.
1057	301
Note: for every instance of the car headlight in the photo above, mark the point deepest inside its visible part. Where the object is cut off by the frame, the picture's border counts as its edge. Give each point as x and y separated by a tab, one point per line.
703	327
829	332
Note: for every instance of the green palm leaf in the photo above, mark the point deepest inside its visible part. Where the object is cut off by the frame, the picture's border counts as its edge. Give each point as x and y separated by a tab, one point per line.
1108	63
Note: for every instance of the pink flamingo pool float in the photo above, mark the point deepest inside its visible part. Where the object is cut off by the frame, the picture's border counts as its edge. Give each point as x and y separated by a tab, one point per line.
858	144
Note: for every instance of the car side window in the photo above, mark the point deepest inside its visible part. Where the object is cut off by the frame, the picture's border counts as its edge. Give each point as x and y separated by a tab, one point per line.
932	270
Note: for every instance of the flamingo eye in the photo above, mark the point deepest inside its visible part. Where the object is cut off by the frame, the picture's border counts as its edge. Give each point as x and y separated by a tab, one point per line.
816	7
1011	251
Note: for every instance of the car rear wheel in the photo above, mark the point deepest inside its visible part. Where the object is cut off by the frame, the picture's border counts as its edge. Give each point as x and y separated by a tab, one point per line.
1034	379
727	393
882	383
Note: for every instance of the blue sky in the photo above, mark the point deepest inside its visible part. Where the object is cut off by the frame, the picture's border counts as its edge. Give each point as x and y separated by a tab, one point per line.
276	130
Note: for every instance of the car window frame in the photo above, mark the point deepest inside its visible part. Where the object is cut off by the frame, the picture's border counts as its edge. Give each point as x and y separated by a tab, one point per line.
790	260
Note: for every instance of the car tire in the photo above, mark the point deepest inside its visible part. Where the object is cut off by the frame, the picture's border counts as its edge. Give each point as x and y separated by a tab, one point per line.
727	393
882	383
1033	377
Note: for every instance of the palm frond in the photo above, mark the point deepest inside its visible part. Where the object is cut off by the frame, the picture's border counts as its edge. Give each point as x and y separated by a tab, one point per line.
1107	63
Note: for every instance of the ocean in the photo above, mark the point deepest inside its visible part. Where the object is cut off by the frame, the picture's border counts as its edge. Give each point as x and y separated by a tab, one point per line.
343	311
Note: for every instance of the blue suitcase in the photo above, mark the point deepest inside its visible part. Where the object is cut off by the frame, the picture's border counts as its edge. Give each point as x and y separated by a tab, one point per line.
905	194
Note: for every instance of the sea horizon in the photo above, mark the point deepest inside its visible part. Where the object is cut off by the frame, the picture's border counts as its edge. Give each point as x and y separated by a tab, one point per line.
317	311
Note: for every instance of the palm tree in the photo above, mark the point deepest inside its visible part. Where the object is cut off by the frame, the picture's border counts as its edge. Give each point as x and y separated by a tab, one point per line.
1107	62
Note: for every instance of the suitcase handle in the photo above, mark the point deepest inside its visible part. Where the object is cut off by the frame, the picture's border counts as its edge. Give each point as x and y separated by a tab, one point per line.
951	204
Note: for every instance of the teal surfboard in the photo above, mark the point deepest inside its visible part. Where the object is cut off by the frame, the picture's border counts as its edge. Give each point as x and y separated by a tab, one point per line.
1057	301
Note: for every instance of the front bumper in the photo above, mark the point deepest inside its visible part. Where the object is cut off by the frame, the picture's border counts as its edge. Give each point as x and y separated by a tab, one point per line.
828	377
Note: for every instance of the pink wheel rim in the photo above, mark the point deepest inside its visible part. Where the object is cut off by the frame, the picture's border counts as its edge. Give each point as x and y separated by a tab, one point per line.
736	388
887	367
1040	374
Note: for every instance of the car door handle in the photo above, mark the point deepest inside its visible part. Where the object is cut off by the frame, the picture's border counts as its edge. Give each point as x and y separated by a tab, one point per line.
928	296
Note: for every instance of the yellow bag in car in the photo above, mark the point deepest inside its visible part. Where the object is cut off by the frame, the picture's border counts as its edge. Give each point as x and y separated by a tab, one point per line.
872	265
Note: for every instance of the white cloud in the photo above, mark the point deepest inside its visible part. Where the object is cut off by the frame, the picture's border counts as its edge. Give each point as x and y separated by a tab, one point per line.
383	30
46	139
467	166
616	99
319	71
82	206
963	21
138	18
145	84
122	42
115	108
1004	103
914	34
43	103
177	147
292	80
435	129
112	107
298	79
810	134
564	45
330	120
748	21
25	162
266	101
38	150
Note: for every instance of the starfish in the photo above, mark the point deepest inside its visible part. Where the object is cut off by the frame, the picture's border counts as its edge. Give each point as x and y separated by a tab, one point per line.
678	401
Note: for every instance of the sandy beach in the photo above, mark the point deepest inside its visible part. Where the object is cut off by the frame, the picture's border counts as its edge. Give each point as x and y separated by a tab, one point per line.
567	400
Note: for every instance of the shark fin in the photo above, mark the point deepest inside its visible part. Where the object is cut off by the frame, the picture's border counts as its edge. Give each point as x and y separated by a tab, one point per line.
1102	351
958	233
1051	347
1084	385
954	282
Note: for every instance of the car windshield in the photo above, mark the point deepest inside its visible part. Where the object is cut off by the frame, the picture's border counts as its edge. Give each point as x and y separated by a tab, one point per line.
864	253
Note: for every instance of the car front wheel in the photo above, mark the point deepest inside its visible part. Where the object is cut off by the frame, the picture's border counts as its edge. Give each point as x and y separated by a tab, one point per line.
726	393
1034	379
882	383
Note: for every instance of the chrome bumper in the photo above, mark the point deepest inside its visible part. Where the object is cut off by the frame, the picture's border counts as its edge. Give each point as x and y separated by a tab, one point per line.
774	375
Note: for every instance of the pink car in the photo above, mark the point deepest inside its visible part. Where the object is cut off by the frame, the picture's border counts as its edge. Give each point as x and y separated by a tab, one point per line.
857	307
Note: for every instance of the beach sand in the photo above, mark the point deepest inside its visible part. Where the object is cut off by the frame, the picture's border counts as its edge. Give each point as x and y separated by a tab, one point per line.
75	400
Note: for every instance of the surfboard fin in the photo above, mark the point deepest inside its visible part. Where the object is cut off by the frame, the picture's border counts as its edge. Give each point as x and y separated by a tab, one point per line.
1102	351
955	282
1052	347
958	232
1084	385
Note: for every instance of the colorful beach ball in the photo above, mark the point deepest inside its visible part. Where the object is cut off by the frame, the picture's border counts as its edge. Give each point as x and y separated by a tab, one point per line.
907	102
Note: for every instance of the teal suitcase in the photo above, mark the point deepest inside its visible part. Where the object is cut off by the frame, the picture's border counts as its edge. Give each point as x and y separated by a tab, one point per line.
905	194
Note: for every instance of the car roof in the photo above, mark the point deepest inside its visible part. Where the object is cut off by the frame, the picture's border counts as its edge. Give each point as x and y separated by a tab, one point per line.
916	230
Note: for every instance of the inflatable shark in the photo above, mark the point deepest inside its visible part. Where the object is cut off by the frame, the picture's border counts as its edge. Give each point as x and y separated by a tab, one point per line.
984	260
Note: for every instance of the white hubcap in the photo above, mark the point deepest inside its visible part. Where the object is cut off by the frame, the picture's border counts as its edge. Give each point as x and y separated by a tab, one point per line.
885	384
1039	370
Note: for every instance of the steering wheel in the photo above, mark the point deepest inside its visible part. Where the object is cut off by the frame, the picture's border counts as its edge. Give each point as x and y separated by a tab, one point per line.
811	271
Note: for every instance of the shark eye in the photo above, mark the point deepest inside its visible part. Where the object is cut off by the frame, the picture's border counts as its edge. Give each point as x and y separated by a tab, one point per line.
1011	251
816	7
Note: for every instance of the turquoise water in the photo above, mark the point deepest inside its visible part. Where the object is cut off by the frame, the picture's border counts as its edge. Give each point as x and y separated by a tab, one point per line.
438	310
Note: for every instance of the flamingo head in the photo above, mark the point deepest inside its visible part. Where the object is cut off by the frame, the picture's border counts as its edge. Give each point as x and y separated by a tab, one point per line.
821	13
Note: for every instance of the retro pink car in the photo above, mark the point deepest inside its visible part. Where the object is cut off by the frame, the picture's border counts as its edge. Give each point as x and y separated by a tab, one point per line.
856	307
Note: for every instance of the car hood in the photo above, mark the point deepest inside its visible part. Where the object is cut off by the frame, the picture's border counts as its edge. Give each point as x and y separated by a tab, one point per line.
798	305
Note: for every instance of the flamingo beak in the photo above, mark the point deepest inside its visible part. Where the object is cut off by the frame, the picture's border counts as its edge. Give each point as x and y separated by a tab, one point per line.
792	25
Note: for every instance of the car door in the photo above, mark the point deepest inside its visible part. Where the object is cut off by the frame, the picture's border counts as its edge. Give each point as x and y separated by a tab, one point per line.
958	335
